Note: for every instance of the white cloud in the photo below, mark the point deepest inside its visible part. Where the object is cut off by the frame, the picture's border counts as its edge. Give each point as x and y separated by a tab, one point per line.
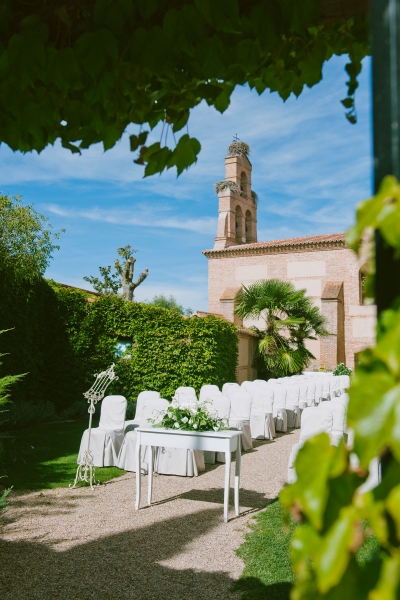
143	218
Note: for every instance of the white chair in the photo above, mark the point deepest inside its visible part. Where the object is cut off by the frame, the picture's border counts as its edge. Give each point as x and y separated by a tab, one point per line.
313	422
279	408
311	389
326	388
292	405
106	439
318	390
335	387
150	408
239	416
207	391
344	383
142	399
260	382
338	411
222	405
262	424
229	386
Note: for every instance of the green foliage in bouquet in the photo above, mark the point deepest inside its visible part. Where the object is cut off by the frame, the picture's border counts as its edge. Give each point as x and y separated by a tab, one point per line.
197	416
341	369
337	518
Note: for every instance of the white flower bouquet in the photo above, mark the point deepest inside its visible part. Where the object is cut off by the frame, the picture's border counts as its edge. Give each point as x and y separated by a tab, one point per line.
190	415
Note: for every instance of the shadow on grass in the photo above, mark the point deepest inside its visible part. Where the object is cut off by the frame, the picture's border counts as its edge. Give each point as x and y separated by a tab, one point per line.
254	589
44	457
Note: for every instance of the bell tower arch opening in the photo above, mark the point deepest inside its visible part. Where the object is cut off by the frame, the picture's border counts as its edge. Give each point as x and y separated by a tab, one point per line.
249	222
238	224
243	184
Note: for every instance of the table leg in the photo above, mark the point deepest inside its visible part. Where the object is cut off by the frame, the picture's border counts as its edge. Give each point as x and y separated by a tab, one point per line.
150	475
138	470
237	473
227	478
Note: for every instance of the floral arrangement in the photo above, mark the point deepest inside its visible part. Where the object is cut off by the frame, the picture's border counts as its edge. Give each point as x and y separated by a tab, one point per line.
341	369
189	415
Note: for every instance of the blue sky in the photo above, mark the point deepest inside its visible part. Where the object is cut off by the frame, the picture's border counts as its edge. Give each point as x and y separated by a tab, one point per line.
310	168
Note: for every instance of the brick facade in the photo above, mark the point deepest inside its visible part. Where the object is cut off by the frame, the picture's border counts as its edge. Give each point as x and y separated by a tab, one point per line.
323	265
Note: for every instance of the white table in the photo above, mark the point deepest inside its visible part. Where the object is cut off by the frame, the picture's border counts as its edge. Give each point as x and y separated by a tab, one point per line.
215	441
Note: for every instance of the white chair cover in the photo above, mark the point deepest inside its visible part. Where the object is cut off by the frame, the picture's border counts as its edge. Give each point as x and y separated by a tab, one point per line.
318	390
326	388
208	390
262	424
335	387
248	385
186	391
338	411
279	408
142	398
311	388
292	405
261	382
229	386
313	422
239	416
344	383
303	393
106	439
149	409
222	405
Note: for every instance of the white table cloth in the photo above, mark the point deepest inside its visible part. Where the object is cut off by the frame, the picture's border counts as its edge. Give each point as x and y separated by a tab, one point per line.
226	441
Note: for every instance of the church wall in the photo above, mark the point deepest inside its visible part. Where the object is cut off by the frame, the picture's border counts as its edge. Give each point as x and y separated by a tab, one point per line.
306	268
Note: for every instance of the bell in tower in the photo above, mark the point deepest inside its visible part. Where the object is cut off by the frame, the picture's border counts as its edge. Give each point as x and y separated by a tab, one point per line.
237	203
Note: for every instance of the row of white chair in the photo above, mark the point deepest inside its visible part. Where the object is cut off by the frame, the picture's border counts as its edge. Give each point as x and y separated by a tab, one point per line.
328	417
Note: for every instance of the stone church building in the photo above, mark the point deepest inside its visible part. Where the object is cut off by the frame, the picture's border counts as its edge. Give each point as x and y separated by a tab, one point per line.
322	264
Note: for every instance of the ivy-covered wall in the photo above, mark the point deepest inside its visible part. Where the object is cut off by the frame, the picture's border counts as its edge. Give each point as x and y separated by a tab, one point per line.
61	340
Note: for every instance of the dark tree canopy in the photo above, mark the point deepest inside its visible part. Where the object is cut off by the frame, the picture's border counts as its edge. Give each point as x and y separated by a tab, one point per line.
82	70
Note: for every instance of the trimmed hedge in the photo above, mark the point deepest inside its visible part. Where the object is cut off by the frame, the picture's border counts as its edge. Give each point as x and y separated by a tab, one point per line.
61	340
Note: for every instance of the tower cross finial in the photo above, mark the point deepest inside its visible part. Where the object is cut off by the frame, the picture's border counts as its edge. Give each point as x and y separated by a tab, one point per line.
235	138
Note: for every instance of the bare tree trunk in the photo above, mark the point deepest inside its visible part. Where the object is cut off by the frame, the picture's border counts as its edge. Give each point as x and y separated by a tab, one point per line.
126	271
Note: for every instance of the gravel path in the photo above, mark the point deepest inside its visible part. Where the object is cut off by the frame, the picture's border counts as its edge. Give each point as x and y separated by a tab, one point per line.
79	544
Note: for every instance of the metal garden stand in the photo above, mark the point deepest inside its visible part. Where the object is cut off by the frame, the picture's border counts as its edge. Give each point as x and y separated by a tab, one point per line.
86	469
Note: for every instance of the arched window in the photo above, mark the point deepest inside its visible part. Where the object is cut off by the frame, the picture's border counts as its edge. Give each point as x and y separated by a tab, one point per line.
238	224
362	276
243	184
249	236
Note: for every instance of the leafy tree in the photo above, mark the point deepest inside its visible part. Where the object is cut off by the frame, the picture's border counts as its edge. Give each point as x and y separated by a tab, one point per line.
82	72
122	278
26	238
109	284
5	384
171	304
290	319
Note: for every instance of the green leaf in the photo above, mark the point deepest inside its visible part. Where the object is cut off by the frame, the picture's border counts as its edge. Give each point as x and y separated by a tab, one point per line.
310	491
334	552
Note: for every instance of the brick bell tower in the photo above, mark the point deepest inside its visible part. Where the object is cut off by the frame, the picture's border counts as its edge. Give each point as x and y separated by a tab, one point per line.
237	203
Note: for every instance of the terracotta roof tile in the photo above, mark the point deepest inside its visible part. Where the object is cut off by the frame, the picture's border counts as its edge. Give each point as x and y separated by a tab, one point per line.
299	241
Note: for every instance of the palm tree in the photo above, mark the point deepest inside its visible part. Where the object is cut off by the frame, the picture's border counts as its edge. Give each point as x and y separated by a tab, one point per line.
290	319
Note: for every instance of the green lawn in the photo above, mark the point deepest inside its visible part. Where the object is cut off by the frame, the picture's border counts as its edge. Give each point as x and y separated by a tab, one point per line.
267	573
44	457
265	552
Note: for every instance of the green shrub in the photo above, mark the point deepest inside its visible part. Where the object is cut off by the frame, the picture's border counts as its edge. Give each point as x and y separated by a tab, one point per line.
62	340
341	369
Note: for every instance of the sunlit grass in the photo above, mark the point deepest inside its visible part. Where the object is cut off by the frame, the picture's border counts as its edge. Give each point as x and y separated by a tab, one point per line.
44	457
